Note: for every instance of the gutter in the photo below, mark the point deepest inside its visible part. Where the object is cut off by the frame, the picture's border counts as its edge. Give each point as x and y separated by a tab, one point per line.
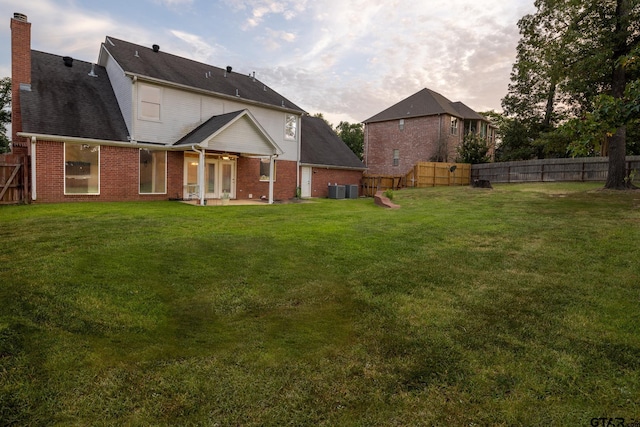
78	140
315	165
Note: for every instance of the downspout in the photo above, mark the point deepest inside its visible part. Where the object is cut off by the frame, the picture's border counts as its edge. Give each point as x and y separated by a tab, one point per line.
298	182
272	160
200	174
33	168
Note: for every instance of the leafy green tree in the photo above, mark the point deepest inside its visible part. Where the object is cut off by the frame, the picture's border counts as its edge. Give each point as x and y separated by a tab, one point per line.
516	142
353	135
5	113
473	149
579	54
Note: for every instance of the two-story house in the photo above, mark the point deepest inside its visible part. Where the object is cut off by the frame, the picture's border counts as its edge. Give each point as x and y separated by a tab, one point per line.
424	127
143	124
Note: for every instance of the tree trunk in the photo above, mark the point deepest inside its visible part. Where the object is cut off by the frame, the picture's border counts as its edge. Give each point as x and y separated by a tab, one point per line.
548	114
617	143
617	165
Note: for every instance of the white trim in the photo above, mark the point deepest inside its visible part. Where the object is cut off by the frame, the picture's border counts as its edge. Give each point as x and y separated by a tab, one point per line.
64	175
271	172
166	171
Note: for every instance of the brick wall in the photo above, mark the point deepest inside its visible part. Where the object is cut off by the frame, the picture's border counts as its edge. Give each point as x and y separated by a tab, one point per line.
322	177
418	141
119	180
248	180
20	69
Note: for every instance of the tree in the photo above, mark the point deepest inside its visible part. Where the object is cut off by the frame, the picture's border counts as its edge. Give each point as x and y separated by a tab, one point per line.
473	149
5	113
353	135
577	53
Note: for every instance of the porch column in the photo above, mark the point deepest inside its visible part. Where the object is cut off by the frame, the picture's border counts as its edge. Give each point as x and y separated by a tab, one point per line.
201	177
271	171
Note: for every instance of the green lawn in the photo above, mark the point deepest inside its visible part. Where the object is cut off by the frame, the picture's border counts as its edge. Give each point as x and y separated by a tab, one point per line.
466	307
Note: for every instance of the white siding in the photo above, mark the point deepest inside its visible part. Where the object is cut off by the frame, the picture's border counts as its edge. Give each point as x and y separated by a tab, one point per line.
241	137
123	89
183	111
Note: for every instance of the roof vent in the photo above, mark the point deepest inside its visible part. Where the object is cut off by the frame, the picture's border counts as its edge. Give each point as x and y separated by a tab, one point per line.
92	73
156	48
20	17
229	68
136	54
68	61
237	92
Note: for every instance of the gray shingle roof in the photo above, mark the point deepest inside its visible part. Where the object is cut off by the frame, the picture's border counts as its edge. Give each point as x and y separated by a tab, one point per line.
423	103
66	101
175	69
467	113
321	146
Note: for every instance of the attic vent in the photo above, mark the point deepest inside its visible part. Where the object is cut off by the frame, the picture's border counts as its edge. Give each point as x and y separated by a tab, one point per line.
68	61
20	17
229	68
156	48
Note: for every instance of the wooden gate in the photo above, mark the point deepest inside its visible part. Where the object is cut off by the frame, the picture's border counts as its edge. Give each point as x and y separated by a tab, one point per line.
14	176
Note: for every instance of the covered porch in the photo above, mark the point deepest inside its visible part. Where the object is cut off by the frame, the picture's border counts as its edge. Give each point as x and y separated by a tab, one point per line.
213	151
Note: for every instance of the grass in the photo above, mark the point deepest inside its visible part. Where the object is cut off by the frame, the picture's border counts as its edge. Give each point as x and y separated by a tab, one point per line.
512	306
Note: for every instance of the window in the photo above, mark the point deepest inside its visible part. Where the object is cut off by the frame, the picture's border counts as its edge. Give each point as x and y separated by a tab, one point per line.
264	170
454	126
401	124
396	157
290	126
149	98
81	169
153	171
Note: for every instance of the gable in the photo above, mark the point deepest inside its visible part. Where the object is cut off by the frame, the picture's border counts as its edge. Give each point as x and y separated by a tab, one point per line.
236	132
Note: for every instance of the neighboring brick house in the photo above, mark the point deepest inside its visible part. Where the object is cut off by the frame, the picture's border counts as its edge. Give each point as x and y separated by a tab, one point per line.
142	124
421	128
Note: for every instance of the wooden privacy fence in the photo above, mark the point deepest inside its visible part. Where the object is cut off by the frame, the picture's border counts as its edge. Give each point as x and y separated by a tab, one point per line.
423	174
14	176
547	170
433	174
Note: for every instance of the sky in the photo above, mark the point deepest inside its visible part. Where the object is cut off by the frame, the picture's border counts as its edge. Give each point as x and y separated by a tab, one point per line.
346	59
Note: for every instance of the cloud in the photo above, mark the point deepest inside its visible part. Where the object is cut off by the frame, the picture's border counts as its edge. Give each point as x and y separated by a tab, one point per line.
174	3
260	10
200	50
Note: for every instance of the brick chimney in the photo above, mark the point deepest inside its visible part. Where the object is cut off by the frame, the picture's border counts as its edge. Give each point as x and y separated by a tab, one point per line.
20	67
